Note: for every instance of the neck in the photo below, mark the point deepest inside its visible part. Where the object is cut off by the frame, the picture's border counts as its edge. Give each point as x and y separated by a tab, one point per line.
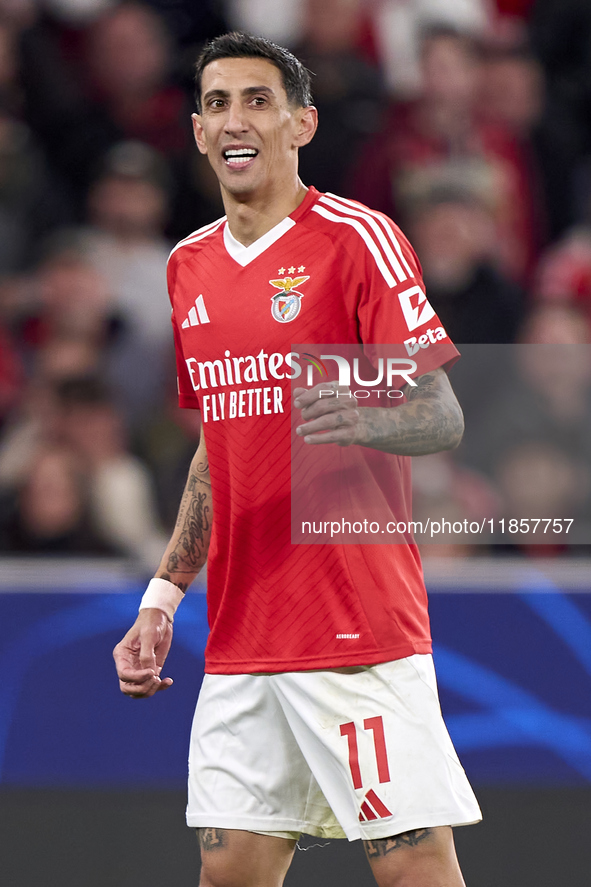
249	217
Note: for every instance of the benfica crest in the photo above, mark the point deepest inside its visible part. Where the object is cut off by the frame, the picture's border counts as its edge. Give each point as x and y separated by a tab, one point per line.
286	305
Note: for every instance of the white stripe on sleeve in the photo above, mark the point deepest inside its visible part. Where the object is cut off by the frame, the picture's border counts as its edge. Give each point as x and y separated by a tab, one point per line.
386	248
384	222
365	235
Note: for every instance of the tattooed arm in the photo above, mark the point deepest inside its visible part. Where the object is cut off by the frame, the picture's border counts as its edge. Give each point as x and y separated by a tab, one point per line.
430	421
141	654
187	550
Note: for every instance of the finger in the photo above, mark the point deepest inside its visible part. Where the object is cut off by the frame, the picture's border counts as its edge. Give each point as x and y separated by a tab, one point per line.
145	690
329	422
138	691
163	646
155	687
328	405
344	437
125	652
299	392
135	675
321	399
305	396
147	657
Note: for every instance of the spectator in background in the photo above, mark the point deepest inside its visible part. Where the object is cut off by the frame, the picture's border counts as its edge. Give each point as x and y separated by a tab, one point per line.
512	88
348	90
513	96
564	271
50	513
556	323
439	135
76	416
69	356
453	233
112	81
69	298
128	206
31	200
398	27
33	423
106	282
129	67
69	327
122	497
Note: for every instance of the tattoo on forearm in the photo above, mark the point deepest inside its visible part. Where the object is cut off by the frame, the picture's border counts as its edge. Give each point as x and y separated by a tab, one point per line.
202	470
383	846
194	523
212	838
431	421
200	475
181	585
426	387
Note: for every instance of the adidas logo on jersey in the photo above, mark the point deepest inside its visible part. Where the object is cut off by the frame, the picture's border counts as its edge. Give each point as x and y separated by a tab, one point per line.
418	313
198	314
373	808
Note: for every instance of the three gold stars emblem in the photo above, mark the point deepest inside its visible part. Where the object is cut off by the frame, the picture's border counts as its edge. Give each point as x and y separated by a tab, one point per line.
291	270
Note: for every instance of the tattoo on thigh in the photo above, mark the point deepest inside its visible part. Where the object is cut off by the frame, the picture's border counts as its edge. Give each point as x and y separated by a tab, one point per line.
211	838
383	846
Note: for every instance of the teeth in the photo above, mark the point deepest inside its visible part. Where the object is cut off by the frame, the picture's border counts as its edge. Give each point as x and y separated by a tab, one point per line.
241	152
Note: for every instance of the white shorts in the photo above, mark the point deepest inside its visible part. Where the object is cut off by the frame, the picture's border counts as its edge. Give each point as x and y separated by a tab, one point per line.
332	754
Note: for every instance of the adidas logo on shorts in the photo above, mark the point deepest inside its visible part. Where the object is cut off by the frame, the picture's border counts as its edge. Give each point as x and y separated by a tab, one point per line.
373	808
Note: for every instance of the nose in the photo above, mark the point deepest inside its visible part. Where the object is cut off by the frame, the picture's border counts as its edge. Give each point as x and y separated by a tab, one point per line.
236	120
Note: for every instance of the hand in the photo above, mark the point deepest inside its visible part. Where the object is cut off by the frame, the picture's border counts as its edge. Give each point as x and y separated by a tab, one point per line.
139	657
329	418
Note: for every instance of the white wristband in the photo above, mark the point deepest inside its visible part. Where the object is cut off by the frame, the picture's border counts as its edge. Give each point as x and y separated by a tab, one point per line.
162	595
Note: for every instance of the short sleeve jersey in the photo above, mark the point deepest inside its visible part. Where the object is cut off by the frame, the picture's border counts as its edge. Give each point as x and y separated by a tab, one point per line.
332	272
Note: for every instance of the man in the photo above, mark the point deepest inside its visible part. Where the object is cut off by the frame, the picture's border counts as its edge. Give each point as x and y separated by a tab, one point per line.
318	712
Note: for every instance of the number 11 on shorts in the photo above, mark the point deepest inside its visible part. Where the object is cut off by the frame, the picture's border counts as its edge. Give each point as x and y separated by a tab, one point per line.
376	725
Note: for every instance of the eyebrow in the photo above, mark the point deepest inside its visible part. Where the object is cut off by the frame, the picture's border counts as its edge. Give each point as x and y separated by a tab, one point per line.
249	90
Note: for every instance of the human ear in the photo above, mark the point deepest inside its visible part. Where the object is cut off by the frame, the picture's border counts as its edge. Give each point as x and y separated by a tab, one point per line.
198	133
307	125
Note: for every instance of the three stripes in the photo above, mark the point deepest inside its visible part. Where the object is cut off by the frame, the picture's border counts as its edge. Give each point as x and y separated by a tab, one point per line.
376	232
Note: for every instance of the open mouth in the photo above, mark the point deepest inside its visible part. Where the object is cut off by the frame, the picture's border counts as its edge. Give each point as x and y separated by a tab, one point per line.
238	157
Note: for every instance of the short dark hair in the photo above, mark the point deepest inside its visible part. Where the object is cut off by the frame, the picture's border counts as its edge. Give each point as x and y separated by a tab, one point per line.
235	45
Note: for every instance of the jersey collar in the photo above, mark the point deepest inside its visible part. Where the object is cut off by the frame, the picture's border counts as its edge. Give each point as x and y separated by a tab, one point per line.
244	255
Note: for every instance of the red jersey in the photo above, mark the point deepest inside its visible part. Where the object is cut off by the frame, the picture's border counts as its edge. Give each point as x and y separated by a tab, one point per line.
331	272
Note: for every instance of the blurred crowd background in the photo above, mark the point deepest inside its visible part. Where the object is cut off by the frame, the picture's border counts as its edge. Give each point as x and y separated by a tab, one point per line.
467	121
